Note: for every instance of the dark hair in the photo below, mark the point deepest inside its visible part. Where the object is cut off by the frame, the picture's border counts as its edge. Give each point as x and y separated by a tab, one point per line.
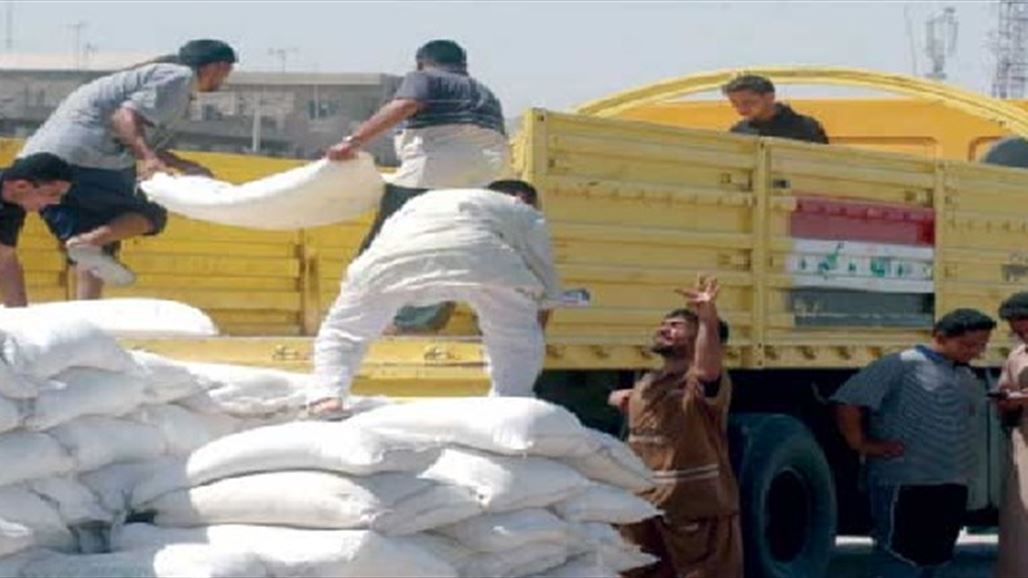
962	321
515	187
1015	307
723	331
750	82
446	53
38	168
195	53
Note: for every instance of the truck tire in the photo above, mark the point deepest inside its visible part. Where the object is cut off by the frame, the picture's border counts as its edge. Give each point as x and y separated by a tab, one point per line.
787	497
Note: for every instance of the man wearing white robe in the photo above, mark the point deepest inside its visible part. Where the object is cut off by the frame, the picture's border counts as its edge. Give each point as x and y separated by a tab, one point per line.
487	247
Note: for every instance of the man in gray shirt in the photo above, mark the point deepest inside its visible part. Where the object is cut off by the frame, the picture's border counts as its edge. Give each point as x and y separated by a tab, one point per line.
920	407
102	130
453	138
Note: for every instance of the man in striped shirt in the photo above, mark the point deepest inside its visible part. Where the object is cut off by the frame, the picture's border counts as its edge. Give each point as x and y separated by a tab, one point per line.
920	407
677	419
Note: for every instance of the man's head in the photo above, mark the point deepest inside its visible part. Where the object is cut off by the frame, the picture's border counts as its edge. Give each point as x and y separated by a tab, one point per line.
211	59
752	96
675	337
520	190
36	181
962	334
1015	312
443	54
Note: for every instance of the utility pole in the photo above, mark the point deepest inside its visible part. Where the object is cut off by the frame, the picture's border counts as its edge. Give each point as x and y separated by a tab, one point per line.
941	41
9	25
1010	47
282	54
76	30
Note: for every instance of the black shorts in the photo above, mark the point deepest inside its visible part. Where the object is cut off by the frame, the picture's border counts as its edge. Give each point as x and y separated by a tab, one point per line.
97	197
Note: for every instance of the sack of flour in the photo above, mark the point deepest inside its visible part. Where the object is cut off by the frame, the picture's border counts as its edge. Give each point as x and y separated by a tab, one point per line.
41	345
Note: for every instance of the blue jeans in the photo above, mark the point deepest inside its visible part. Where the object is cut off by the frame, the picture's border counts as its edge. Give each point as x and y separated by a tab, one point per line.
915	528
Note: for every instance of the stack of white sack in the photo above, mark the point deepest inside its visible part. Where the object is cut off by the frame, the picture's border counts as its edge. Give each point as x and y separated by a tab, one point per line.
122	317
450	487
82	420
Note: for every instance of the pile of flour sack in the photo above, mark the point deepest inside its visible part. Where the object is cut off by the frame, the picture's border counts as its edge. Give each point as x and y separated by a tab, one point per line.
125	463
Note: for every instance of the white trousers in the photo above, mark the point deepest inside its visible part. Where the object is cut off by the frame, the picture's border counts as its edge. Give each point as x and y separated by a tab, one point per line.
511	335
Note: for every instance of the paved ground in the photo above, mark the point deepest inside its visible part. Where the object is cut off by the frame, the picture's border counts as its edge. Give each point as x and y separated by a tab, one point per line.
975	557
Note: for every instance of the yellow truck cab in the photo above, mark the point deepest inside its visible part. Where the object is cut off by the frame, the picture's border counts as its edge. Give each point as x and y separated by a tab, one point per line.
829	257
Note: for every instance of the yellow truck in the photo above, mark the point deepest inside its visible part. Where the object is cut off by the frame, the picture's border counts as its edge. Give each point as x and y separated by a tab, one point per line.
829	257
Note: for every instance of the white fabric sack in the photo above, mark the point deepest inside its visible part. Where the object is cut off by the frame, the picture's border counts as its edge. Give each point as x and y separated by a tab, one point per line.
292	552
14	538
504	483
184	431
320	193
13	386
613	463
41	345
586	566
506	425
113	484
167	380
95	441
603	503
523	561
328	446
391	503
242	391
508	530
446	549
20	506
81	391
608	547
12	566
11	414
30	455
130	318
174	561
76	503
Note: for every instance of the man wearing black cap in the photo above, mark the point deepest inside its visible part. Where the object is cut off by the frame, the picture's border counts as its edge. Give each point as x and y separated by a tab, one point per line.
31	184
102	130
453	137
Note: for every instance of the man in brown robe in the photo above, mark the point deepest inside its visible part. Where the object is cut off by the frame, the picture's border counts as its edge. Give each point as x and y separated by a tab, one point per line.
677	421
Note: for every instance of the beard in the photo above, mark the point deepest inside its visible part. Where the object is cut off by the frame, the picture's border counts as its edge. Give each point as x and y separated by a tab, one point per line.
668	351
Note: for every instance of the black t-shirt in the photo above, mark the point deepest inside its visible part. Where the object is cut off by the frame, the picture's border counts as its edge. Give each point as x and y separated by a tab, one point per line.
12	218
450	98
786	123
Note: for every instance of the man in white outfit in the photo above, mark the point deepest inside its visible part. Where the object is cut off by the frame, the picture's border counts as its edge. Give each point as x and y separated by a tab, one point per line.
487	247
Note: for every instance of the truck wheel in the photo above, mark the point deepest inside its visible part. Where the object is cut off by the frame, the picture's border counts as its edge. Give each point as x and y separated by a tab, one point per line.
787	497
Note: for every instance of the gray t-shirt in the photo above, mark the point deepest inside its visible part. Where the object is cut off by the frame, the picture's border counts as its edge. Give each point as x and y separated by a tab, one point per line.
927	402
450	98
79	131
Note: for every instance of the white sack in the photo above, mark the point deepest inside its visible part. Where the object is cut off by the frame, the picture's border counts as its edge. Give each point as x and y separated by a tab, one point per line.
587	566
184	431
42	345
175	561
11	414
20	506
113	484
81	391
320	193
608	547
14	538
446	549
242	391
503	483
329	446
94	441
13	386
130	318
12	566
390	503
75	503
508	530
30	455
614	463
603	503
506	425
167	380
523	561
292	552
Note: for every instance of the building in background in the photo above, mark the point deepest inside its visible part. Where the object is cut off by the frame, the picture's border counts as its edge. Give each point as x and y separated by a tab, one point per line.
287	114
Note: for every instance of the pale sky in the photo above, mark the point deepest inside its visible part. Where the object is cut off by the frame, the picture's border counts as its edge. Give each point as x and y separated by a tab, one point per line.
548	54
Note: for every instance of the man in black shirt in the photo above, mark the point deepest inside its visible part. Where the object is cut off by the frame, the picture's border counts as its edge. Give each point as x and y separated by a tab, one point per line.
32	183
753	97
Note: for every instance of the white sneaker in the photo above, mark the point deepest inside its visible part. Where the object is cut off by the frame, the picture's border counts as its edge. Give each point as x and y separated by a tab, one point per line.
100	264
